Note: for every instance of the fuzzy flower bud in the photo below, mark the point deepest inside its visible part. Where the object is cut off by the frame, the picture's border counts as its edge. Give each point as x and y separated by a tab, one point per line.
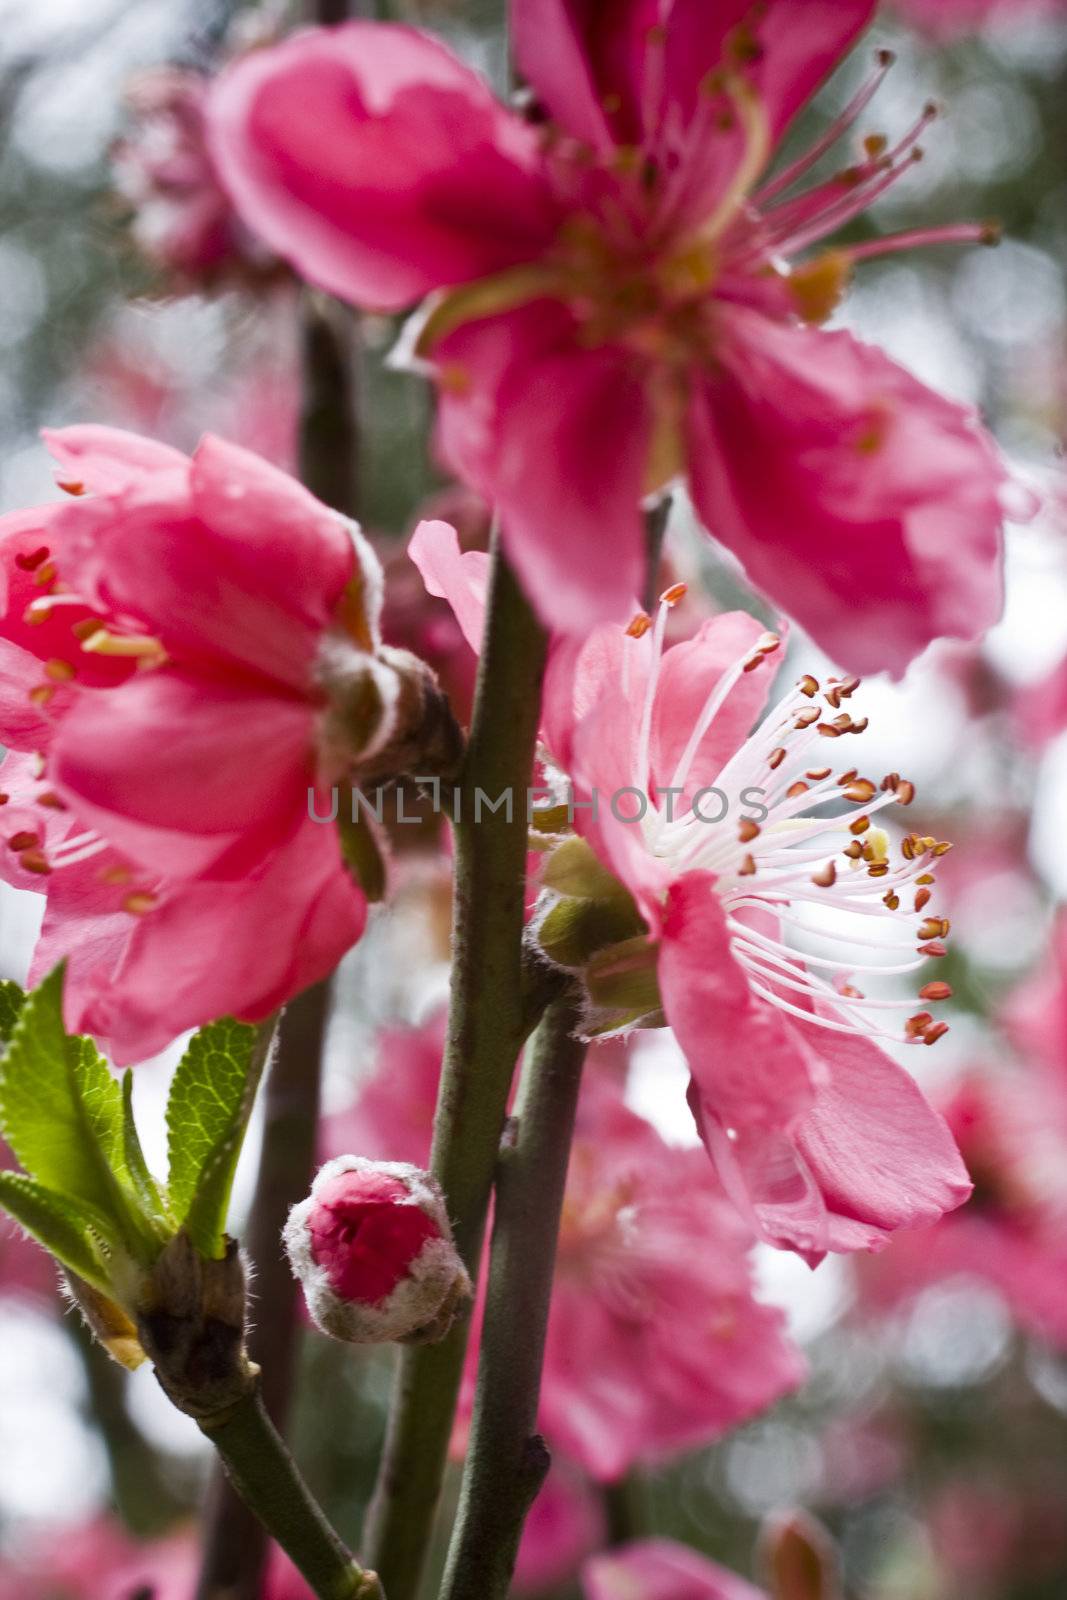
372	1246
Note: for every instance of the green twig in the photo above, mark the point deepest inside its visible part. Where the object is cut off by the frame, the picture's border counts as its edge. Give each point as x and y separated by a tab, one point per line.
262	1471
507	1459
485	1033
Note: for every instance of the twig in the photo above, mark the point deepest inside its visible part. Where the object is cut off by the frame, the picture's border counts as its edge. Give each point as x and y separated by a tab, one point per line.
507	1458
485	1032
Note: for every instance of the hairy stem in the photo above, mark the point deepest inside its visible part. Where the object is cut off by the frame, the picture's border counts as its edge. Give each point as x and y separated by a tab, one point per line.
485	1032
235	1543
262	1471
507	1458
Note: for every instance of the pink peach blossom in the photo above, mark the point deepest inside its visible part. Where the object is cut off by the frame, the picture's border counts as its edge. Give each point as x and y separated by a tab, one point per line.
611	305
170	639
183	218
661	1569
565	1524
655	1342
821	1139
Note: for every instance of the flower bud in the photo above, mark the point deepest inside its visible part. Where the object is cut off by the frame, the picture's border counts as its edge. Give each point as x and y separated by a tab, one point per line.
372	1246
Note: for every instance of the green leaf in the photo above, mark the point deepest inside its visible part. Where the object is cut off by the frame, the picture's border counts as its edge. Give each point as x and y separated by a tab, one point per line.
11	1001
143	1182
210	1102
61	1113
74	1234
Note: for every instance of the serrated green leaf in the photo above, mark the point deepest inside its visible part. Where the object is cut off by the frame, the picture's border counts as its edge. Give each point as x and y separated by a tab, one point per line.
210	1102
11	1000
74	1234
147	1188
61	1113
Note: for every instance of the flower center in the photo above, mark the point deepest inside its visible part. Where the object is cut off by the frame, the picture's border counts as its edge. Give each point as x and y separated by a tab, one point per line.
788	869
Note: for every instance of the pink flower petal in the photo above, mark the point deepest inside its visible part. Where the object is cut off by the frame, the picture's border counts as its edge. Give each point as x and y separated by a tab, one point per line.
848	489
576	54
201	953
410	175
749	1071
799	43
107	460
689	674
184	775
882	1156
291	547
557	439
459	576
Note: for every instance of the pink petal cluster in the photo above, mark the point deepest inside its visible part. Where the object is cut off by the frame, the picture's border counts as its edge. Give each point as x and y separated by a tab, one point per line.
661	1569
655	1342
168	638
821	1139
616	300
183	218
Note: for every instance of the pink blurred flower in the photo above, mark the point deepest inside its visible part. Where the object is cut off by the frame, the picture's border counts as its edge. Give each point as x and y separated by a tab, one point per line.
1035	1013
660	1569
618	308
565	1524
1012	1235
655	1342
391	1118
821	1139
183	218
1040	708
945	20
125	379
98	1560
177	642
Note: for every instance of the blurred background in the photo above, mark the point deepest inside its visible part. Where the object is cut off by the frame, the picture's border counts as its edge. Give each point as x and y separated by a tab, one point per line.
932	1435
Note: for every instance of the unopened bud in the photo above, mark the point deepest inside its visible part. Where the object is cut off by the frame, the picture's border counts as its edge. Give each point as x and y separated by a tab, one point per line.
373	1248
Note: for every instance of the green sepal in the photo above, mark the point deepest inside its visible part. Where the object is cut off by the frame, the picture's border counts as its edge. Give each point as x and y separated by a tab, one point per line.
624	978
572	932
573	869
210	1102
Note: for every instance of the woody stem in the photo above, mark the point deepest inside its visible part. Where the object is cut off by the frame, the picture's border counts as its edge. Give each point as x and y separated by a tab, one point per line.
487	1023
507	1459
